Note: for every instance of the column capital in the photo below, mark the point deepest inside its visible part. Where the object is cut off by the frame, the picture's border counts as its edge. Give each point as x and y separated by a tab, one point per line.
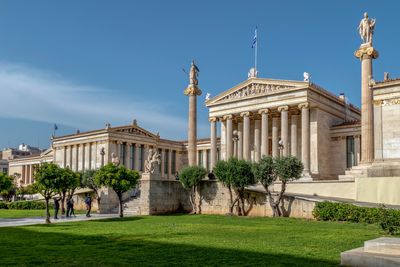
262	111
245	114
228	117
283	108
304	105
137	145
213	119
119	142
367	50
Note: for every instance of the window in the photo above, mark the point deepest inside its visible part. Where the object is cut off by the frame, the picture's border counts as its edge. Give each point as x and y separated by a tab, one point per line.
166	162
141	156
159	165
173	162
350	157
132	156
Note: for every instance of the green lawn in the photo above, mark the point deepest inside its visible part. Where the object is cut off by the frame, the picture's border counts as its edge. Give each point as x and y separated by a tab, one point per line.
15	214
196	240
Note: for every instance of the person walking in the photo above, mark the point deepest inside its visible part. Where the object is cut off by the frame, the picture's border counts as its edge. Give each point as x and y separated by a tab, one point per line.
72	211
56	206
68	207
88	202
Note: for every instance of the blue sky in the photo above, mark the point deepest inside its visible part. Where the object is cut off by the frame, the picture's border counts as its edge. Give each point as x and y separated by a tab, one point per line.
81	64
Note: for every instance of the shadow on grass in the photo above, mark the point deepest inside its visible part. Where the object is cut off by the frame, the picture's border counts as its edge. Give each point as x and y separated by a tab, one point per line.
29	247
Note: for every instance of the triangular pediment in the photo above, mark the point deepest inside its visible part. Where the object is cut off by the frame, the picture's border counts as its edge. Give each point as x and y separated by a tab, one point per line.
133	130
255	87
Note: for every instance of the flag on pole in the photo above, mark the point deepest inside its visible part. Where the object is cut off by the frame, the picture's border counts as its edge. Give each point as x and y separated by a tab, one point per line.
254	44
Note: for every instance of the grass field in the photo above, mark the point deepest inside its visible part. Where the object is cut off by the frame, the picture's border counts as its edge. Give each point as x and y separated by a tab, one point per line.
15	214
200	240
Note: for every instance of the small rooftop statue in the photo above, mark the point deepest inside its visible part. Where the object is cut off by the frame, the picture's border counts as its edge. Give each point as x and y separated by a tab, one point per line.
366	29
386	76
253	73
306	76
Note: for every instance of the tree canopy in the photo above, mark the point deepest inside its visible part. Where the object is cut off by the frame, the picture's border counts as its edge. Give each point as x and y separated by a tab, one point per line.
119	178
190	177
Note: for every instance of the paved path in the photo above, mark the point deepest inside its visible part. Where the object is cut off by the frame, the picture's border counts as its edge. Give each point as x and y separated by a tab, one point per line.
41	220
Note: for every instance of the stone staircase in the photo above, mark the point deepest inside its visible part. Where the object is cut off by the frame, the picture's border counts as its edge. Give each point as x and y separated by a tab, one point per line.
131	207
355	171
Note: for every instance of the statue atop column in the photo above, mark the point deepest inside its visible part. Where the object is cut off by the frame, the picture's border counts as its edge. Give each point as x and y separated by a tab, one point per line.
366	29
193	88
193	74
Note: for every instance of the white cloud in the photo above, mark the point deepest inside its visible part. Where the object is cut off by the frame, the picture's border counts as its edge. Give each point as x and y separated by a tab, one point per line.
29	93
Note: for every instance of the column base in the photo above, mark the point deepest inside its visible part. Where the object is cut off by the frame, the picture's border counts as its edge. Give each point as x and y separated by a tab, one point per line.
305	177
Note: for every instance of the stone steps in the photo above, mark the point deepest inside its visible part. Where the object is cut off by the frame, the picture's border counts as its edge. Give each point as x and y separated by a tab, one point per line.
378	252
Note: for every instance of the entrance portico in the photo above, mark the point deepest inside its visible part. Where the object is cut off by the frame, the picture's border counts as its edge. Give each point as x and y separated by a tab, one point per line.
276	118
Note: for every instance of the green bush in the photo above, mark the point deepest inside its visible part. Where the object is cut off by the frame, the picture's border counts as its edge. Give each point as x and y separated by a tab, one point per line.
3	205
388	219
26	205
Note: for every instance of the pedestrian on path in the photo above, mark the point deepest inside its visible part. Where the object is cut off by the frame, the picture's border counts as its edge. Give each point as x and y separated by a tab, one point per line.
56	206
88	202
68	207
72	211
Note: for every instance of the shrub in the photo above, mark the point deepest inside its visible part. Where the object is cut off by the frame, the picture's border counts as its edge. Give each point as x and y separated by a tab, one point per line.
3	205
26	205
388	219
190	178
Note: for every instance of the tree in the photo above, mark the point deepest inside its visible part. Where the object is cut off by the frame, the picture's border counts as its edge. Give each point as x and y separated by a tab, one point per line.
6	185
269	170
190	177
236	175
87	180
66	185
119	178
47	182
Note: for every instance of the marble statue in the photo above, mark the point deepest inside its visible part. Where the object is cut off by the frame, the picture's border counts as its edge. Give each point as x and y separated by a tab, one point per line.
253	73
386	76
152	161
366	29
208	95
193	74
115	160
306	76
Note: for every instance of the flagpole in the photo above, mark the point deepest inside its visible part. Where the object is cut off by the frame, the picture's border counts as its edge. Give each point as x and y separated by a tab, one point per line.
255	54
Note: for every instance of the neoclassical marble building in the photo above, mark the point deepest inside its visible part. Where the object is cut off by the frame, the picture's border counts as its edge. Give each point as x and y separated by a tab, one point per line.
279	117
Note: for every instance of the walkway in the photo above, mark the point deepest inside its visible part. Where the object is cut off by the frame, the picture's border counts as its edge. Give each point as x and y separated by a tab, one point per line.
41	220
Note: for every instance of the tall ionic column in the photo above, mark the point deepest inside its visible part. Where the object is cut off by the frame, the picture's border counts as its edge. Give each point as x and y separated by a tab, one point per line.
275	129
246	135
213	135
128	161
192	91
169	163
163	160
284	129
229	140
305	137
257	140
264	132
240	140
293	135
366	54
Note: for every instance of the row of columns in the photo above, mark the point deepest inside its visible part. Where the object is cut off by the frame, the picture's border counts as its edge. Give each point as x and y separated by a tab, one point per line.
261	135
27	174
84	157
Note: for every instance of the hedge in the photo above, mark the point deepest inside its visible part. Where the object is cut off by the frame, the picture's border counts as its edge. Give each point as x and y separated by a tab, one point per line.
388	219
23	205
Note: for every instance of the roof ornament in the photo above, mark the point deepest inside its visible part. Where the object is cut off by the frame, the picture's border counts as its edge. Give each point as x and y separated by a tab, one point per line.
208	95
134	122
108	126
306	77
386	76
253	73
